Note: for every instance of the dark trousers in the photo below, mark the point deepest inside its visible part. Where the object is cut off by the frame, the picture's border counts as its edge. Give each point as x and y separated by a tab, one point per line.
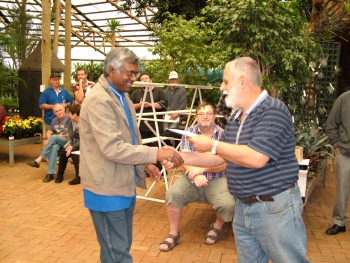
64	160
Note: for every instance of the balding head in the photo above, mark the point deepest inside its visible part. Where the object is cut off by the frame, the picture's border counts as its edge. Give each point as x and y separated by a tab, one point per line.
59	111
241	83
247	67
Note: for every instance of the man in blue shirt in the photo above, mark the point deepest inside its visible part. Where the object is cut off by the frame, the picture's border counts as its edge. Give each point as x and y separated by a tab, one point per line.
53	95
258	146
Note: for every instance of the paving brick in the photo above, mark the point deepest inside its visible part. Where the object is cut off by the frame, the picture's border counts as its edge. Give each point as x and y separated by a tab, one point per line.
48	222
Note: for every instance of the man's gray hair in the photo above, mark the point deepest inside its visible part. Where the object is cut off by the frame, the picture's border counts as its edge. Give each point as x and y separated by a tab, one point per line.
249	67
116	58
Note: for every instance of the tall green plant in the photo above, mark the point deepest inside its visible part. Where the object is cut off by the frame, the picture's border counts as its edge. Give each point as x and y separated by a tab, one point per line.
17	42
113	27
269	31
8	78
188	47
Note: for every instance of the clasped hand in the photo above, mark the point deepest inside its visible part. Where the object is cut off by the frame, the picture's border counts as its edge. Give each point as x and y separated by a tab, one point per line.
169	157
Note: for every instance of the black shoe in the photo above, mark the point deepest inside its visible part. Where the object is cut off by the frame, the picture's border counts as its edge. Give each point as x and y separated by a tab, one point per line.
75	181
335	229
59	179
48	178
33	164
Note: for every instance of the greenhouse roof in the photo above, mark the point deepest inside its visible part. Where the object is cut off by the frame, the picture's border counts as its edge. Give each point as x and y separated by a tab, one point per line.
89	22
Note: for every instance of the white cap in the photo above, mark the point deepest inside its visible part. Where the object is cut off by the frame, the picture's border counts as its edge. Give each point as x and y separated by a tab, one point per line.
173	75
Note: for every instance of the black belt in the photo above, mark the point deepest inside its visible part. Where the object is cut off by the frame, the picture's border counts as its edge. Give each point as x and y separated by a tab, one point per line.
261	198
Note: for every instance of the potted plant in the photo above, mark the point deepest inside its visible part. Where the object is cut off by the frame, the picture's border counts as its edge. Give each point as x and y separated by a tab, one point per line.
316	146
36	125
9	128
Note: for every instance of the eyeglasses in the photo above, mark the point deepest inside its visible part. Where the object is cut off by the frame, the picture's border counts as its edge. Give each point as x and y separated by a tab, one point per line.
202	114
129	73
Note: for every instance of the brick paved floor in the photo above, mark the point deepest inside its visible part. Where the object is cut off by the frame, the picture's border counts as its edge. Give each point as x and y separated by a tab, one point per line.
48	223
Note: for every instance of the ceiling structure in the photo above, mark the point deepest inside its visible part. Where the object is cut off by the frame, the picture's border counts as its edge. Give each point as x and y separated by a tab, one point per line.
89	22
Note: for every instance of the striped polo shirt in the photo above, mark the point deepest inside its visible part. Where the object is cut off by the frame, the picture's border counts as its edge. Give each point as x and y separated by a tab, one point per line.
185	144
268	129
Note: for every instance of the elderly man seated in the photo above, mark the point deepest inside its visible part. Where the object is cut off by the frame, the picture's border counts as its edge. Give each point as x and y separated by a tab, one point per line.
56	137
208	185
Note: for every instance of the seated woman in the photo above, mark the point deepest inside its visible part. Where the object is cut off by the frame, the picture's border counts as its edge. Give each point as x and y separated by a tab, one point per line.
72	145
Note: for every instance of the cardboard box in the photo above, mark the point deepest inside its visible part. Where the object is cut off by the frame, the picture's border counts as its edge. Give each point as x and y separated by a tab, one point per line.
299	153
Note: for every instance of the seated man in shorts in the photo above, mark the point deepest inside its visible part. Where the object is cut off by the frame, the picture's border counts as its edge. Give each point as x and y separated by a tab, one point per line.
199	184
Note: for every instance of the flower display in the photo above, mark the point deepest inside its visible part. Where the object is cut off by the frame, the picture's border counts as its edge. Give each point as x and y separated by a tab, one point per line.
36	124
16	124
10	126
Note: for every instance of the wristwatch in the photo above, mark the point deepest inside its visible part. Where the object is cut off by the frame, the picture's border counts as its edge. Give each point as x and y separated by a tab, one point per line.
213	149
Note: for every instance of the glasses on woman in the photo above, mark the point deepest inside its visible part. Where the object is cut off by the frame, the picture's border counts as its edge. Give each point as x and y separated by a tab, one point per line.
129	73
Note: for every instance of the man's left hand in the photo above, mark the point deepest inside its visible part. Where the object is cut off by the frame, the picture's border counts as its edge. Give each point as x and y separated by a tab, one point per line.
153	172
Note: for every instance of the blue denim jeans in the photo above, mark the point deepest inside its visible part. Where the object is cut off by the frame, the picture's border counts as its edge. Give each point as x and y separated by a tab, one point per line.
271	230
51	150
114	234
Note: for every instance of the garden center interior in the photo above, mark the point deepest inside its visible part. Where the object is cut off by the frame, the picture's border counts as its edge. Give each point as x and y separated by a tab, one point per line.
49	223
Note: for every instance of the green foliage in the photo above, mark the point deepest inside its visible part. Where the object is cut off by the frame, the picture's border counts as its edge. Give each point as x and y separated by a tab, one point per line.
94	70
304	7
9	102
185	46
269	31
8	79
189	48
347	7
189	9
17	41
314	141
113	26
330	21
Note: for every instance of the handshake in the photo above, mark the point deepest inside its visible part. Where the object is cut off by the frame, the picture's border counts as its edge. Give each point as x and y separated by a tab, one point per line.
169	157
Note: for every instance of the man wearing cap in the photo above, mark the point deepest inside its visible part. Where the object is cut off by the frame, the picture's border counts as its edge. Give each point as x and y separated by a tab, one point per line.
53	95
177	100
82	87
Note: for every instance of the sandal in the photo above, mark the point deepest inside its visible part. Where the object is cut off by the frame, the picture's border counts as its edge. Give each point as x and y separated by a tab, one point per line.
214	238
170	245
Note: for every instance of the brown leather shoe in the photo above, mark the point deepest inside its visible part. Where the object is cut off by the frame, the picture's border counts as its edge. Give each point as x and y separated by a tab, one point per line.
335	229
